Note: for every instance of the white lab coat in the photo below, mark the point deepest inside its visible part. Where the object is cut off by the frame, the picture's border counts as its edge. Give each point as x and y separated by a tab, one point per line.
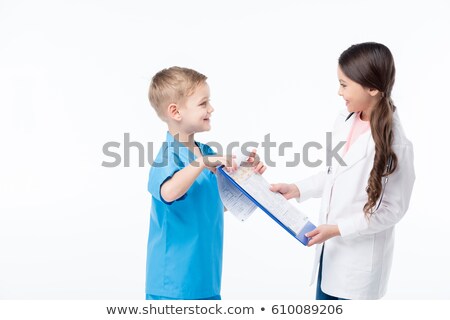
356	265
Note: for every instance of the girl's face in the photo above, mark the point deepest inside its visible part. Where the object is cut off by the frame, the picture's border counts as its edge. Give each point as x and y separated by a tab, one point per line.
357	98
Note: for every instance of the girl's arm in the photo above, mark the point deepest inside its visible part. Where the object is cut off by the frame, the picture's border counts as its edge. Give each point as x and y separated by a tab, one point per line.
393	207
311	187
395	201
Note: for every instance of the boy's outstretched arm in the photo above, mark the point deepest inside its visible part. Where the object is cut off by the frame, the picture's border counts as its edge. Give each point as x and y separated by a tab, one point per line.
179	184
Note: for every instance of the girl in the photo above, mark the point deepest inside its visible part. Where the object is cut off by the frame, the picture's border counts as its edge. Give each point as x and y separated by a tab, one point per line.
363	199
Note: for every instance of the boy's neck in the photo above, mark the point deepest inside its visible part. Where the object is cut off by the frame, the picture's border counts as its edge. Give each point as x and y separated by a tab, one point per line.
185	138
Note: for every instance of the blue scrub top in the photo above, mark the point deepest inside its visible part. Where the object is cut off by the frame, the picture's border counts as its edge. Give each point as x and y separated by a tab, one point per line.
185	243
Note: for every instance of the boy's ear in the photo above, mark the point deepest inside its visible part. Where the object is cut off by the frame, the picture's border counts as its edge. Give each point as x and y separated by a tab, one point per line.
373	92
173	112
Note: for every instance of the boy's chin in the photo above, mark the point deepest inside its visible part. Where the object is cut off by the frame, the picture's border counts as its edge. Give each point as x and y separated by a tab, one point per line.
206	127
203	129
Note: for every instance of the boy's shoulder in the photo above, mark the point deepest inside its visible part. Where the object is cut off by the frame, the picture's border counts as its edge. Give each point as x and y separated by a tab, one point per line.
167	157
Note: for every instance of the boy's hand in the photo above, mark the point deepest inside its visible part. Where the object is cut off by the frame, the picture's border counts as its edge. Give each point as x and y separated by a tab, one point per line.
254	161
288	191
212	162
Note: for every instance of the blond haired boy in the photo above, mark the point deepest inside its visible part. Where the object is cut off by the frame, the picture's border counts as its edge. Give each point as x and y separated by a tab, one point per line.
184	255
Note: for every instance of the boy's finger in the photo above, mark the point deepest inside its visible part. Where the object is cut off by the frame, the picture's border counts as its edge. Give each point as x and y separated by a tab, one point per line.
227	160
253	157
259	168
252	154
234	165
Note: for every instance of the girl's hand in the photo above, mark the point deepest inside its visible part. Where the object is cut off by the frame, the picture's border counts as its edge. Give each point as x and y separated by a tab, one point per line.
322	233
288	191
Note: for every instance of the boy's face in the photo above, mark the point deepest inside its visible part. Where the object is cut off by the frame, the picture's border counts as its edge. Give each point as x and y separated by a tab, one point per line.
196	111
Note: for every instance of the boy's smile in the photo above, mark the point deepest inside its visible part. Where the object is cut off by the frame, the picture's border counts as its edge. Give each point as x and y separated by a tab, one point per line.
196	110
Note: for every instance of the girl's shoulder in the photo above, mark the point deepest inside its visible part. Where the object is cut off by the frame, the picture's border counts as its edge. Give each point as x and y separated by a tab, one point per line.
342	118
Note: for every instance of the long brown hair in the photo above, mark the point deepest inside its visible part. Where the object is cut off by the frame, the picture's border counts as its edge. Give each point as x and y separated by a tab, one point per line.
372	66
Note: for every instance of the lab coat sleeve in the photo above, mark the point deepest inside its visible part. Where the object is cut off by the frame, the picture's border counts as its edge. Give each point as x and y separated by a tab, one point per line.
311	187
395	200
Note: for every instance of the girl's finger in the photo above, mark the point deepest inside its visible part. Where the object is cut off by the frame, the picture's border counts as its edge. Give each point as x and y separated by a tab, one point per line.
312	233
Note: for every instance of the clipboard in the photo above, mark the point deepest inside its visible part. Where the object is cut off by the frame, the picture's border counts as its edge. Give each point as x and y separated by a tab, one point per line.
300	236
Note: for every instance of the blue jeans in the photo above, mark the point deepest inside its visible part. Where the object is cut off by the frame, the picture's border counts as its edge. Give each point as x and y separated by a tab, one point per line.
153	297
320	295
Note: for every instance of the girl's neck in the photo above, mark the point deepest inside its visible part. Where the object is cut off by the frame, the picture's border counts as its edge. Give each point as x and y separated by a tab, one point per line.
364	116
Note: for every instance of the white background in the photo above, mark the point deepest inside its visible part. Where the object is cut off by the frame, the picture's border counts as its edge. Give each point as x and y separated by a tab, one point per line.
74	75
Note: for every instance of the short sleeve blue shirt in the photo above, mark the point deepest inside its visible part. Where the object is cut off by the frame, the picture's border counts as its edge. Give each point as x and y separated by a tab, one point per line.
185	243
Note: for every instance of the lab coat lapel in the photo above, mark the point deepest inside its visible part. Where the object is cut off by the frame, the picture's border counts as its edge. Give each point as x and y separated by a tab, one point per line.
340	134
357	151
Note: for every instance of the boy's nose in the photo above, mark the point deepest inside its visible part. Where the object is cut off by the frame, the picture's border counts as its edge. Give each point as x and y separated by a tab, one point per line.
211	109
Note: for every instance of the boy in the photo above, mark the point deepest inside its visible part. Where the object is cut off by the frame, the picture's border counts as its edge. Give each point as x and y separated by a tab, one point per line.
184	255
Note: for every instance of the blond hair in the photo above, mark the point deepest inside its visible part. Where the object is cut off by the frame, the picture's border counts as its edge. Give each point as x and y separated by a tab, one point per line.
172	85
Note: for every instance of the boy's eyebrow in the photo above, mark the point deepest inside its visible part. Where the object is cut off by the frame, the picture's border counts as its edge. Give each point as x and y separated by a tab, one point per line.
203	98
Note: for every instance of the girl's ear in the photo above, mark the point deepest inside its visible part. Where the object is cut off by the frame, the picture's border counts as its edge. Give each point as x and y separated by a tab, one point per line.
173	112
373	92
